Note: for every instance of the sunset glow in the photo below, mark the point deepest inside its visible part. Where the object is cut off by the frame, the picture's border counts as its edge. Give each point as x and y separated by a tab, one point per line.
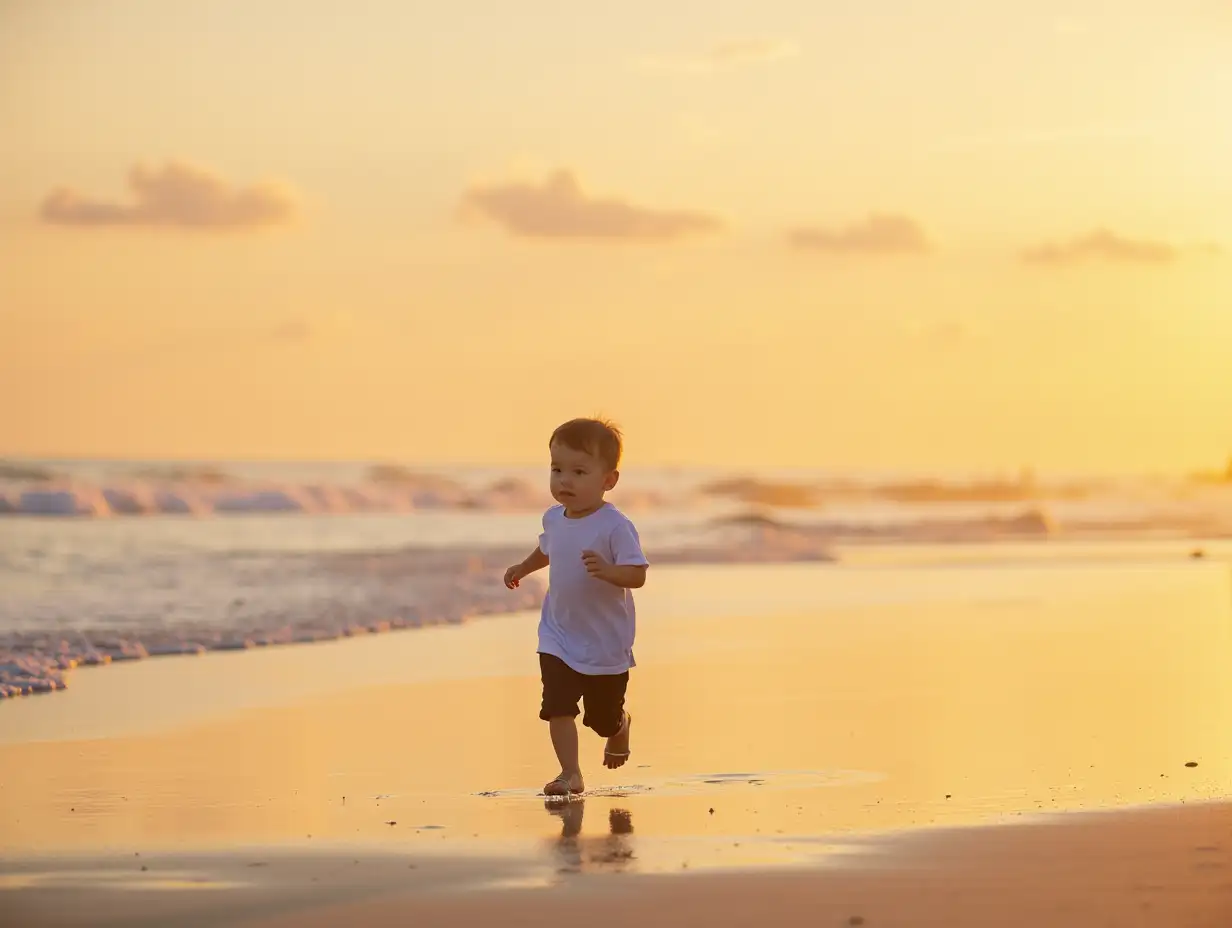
948	235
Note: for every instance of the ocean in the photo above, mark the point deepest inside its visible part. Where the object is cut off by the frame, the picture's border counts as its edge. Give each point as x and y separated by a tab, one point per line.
103	561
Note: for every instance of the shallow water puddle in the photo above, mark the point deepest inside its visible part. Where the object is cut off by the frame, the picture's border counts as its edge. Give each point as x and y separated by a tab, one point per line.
697	784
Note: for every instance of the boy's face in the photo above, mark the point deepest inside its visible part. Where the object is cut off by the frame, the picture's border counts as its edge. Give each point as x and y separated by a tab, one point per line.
579	479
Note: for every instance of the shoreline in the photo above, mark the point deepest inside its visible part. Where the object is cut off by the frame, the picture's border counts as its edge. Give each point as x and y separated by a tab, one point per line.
36	662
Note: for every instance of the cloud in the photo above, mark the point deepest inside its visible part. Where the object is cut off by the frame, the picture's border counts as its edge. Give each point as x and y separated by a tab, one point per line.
303	329
176	194
558	208
292	332
1101	245
879	233
725	55
748	51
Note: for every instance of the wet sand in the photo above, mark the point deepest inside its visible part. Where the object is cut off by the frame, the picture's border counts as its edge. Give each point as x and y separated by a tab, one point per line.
1168	868
828	759
1161	867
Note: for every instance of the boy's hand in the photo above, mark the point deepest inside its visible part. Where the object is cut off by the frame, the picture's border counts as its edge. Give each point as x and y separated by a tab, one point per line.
596	566
513	576
628	577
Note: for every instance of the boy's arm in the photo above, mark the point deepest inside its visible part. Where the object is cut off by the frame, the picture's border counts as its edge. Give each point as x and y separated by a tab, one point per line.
536	560
627	569
628	576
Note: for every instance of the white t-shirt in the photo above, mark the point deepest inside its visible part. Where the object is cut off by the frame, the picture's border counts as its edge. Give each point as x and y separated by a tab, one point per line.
586	622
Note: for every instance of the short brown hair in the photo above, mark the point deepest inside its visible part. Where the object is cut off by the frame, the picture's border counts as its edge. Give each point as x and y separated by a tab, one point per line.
597	437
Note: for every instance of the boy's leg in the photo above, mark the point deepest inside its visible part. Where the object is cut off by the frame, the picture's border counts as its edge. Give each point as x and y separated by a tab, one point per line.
562	688
605	714
565	743
616	752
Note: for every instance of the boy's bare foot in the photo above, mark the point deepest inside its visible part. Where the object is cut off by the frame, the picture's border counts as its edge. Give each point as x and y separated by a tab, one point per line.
617	751
566	784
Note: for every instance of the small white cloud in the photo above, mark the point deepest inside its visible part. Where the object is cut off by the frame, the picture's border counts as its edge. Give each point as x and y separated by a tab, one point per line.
735	53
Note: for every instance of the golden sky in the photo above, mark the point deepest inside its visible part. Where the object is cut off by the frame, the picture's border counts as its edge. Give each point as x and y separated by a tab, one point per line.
897	234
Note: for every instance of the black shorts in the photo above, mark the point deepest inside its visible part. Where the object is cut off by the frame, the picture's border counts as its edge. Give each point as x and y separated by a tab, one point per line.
603	695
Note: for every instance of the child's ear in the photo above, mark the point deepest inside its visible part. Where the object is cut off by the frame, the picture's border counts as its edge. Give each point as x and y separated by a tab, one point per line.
612	479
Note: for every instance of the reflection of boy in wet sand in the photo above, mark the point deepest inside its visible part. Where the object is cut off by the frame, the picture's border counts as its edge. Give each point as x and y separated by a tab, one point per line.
587	624
613	852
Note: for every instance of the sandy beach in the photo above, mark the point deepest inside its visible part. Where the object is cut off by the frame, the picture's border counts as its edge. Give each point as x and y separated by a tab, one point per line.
895	335
1036	744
